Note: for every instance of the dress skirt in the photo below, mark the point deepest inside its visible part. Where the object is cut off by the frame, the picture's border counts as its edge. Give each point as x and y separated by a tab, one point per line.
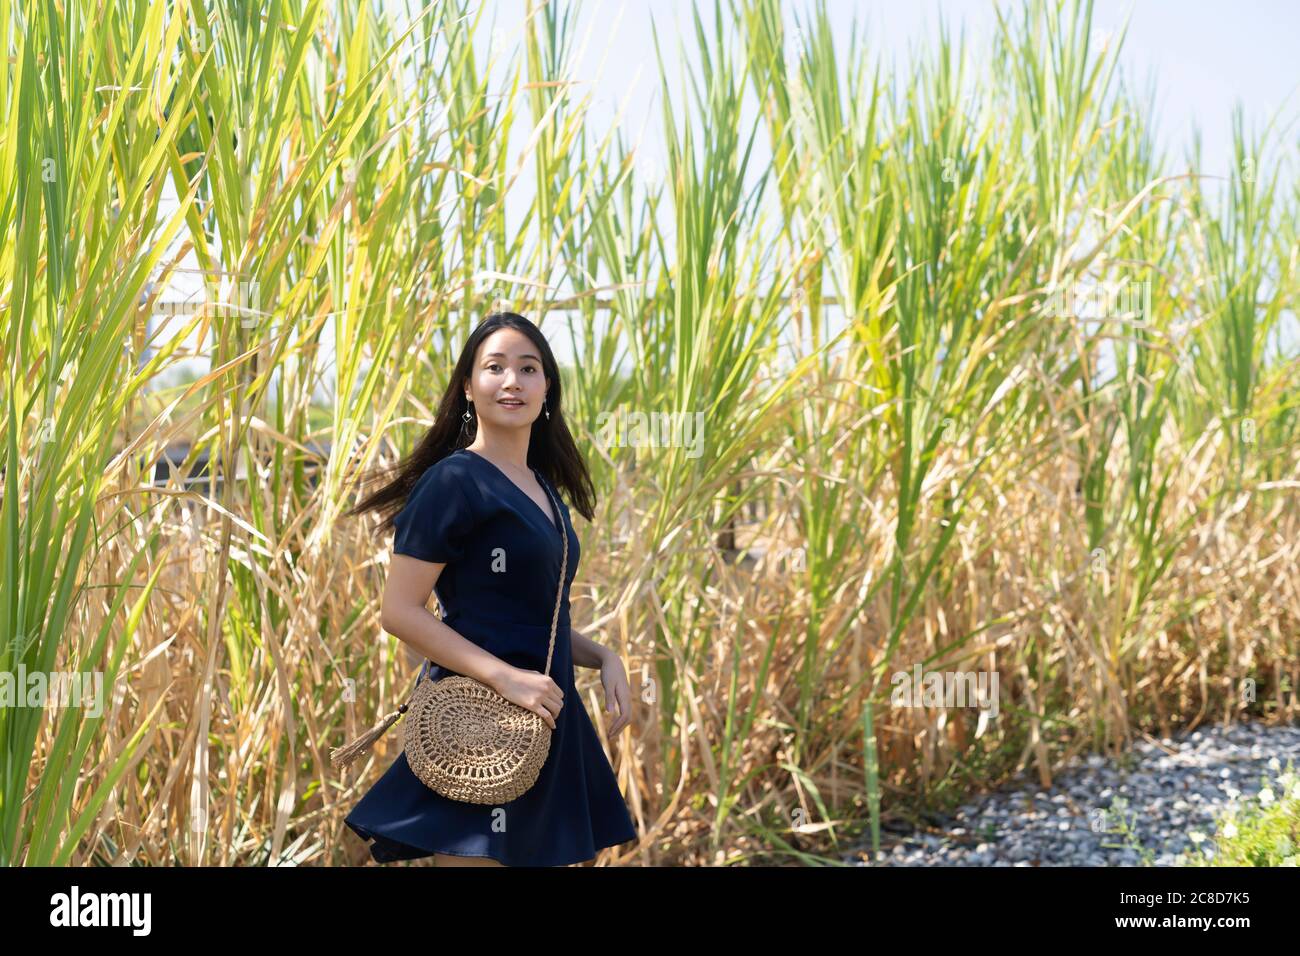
573	810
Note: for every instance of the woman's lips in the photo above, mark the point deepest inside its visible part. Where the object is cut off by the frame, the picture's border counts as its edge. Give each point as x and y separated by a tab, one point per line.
510	404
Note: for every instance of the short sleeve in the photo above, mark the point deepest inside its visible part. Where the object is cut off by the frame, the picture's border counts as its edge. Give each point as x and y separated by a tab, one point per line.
436	520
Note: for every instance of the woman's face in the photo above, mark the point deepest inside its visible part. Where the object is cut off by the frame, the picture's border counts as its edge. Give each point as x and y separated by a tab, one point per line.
507	369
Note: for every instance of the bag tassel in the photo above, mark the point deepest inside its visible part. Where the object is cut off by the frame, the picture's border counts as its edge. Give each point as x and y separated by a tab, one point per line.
342	756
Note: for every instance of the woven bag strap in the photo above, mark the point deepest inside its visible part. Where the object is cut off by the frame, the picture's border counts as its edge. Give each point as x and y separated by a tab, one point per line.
564	568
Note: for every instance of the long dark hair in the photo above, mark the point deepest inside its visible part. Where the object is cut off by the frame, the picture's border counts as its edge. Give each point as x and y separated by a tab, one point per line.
551	449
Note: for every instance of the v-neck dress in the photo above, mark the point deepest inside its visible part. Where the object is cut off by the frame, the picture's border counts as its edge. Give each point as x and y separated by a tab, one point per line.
502	556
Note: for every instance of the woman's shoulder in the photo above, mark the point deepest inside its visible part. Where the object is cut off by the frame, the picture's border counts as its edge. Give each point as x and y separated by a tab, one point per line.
440	513
450	476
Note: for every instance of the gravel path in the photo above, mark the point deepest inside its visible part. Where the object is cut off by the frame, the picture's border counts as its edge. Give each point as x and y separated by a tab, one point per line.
1164	798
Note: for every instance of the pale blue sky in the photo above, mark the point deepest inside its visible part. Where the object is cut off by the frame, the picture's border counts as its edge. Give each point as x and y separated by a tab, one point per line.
1201	57
1204	56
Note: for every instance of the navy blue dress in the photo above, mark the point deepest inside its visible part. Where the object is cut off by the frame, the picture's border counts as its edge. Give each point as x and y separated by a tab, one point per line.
502	556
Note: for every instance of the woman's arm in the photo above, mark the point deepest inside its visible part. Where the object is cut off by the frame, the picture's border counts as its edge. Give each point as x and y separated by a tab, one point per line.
404	615
618	696
586	652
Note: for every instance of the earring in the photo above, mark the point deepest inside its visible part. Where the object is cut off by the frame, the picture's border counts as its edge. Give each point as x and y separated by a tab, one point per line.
546	408
468	412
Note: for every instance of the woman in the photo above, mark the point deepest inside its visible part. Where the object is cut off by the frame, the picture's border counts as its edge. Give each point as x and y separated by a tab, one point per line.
476	521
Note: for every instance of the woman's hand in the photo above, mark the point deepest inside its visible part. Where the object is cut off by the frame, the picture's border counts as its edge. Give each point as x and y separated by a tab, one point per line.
533	691
618	696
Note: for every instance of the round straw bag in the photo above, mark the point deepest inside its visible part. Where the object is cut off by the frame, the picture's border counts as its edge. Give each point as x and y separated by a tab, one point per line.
463	739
